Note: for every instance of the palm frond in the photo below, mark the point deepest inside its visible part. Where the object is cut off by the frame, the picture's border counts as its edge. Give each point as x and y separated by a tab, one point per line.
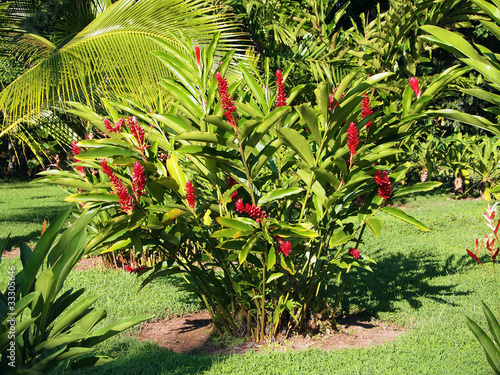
111	55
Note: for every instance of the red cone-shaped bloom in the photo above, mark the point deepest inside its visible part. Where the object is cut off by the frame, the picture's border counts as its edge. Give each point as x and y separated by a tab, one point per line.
190	194
226	101
281	97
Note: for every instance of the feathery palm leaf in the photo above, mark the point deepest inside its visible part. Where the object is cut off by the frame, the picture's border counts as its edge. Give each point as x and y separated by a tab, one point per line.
111	55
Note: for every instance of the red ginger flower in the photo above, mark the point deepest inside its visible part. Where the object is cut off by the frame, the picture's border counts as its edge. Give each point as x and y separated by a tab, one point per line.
281	97
284	247
190	194
121	191
231	182
352	138
138	133
131	269
76	150
198	57
138	179
240	206
226	101
354	253
116	128
414	86
366	110
384	185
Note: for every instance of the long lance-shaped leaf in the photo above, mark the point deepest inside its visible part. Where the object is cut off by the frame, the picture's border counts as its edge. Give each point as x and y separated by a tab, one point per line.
490	349
298	143
477	121
401	215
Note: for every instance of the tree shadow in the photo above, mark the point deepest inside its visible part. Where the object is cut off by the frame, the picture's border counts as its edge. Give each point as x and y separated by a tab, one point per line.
402	277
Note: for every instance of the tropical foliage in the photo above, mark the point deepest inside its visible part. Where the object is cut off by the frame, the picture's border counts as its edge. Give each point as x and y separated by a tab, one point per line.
42	324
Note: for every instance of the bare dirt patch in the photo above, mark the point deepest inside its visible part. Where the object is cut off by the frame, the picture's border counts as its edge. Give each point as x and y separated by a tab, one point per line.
192	334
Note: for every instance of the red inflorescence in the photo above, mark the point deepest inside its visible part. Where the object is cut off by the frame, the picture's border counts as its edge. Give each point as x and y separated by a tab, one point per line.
414	86
131	269
331	98
284	247
138	132
198	57
354	253
352	138
138	179
190	194
384	185
121	191
226	101
281	97
76	150
254	212
366	110
116	128
231	182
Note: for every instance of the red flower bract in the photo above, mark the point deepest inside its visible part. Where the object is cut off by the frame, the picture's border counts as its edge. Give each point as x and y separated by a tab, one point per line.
131	269
226	101
190	194
121	191
198	57
352	138
284	247
384	185
240	206
281	97
138	179
138	133
75	149
366	110
116	128
354	253
414	86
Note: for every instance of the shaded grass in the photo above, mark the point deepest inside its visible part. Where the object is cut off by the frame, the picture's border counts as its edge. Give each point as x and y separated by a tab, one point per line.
24	206
423	281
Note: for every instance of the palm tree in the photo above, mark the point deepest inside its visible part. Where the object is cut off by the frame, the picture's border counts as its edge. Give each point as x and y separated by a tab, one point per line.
109	57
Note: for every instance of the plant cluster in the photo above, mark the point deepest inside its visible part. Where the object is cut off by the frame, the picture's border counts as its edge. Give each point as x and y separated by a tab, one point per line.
259	205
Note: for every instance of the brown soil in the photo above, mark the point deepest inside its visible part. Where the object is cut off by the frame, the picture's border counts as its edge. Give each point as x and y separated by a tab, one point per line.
192	334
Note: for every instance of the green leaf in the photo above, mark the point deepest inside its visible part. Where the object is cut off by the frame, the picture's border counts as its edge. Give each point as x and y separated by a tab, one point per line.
93	197
271	258
107	152
274	276
241	223
375	226
340	238
177	174
418	187
242	256
279	193
490	349
397	213
492	323
308	115
254	86
297	143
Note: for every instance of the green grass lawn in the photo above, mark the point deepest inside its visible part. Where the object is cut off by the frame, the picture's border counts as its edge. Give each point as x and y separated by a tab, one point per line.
24	206
423	281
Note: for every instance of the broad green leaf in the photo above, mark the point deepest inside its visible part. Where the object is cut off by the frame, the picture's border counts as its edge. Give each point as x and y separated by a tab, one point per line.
490	349
71	182
397	213
274	276
279	193
492	323
477	121
418	187
177	174
196	136
107	152
271	258
241	223
340	238
308	115
93	197
375	226
73	315
243	254
254	86
297	143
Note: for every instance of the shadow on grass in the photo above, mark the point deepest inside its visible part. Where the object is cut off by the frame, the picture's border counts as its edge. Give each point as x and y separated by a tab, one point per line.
400	277
145	358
